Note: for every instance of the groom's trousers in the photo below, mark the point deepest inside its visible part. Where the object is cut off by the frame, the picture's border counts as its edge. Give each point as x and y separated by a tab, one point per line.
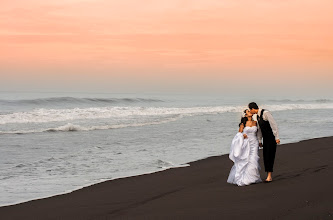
269	142
269	150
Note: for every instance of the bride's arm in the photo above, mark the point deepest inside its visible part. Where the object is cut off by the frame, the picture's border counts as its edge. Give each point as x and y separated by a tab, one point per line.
241	128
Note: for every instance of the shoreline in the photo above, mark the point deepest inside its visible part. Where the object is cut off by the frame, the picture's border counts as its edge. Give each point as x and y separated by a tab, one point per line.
102	181
186	164
214	173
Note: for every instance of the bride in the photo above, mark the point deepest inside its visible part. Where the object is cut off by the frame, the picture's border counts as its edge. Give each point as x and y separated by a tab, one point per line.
244	153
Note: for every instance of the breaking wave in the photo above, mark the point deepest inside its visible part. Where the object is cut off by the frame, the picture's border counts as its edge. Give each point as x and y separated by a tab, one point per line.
69	127
59	115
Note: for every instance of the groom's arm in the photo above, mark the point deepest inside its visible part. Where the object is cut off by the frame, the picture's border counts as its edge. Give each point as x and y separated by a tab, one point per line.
273	124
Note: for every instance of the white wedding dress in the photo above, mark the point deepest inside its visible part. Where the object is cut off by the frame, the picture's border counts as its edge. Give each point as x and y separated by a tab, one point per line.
244	154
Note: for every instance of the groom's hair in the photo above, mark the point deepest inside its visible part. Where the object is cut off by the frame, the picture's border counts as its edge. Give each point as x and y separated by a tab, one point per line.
253	105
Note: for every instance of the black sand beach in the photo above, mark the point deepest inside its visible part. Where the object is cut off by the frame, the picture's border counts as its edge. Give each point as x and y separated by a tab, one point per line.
302	189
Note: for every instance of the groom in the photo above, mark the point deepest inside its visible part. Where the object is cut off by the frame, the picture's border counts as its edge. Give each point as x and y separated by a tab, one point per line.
269	134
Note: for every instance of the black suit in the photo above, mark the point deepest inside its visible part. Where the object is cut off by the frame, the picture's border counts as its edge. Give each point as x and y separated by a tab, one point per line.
269	143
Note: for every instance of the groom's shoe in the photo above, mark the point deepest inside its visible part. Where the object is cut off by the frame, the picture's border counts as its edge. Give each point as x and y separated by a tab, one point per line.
268	181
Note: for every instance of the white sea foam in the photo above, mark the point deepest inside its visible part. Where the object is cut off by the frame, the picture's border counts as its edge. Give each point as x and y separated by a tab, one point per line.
58	115
72	127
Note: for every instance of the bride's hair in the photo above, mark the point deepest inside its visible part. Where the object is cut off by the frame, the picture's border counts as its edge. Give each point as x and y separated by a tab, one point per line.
243	119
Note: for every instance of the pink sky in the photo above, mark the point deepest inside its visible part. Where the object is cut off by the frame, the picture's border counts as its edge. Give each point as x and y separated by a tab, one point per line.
177	43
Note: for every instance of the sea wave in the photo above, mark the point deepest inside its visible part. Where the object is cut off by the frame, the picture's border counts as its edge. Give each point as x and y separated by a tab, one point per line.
69	127
68	115
64	100
301	100
58	115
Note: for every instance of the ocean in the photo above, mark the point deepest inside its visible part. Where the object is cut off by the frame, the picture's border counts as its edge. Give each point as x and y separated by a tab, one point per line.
54	143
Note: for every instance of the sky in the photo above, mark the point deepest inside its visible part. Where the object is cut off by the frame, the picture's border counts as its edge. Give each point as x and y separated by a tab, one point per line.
223	46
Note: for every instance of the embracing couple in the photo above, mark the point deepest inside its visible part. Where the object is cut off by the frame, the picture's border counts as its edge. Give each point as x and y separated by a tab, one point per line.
245	146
